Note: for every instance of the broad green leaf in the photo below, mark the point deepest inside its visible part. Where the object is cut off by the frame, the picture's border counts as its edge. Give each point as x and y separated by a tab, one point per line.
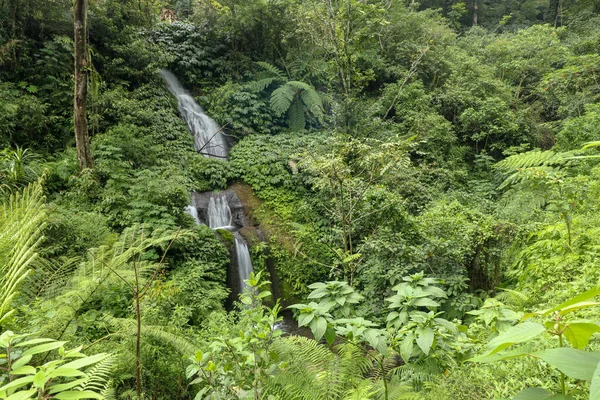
425	302
42	348
34	341
24	370
579	333
574	363
330	335
17	383
39	380
539	394
407	347
66	372
517	334
191	370
66	386
318	327
532	394
595	385
503	355
583	297
425	338
24	395
22	361
84	362
78	394
305	319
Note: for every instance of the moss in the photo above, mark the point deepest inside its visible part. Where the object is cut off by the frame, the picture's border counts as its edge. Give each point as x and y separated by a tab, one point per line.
226	236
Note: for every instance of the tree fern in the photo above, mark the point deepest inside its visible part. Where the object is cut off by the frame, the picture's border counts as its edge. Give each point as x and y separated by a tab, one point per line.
281	99
296	98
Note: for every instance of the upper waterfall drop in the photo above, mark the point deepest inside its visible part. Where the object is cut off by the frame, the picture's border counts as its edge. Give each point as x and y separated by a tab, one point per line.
191	210
208	138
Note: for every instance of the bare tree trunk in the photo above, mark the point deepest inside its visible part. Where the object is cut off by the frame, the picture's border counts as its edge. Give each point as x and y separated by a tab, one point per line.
82	139
553	8
475	12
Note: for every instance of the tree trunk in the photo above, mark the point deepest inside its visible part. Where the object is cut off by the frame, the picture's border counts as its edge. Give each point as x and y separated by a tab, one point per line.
82	139
475	12
553	9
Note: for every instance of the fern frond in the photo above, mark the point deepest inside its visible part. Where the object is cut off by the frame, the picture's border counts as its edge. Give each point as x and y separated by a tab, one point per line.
511	296
52	279
270	68
300	85
128	328
282	98
98	378
534	158
312	100
419	372
261	84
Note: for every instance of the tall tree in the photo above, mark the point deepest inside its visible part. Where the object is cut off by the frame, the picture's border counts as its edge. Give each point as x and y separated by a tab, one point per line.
82	139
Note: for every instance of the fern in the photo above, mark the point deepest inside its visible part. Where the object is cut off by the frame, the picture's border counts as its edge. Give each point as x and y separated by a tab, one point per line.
292	97
51	280
534	158
261	84
127	328
281	99
98	378
416	374
270	68
22	221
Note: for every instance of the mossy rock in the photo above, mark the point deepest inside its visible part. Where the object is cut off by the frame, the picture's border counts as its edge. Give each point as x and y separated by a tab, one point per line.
226	236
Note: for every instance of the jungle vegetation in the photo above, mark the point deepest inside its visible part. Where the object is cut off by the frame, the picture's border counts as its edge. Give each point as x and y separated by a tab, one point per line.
425	173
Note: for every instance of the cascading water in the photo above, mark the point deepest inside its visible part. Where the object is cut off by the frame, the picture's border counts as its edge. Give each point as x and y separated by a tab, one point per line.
208	139
243	260
193	211
219	213
210	142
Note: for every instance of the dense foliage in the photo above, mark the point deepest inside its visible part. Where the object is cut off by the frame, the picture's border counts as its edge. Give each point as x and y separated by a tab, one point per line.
425	175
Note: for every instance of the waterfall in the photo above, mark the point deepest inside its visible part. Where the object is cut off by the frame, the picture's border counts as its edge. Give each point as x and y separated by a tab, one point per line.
208	139
243	261
193	212
219	213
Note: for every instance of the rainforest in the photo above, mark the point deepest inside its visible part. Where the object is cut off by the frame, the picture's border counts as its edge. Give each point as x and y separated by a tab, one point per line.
300	199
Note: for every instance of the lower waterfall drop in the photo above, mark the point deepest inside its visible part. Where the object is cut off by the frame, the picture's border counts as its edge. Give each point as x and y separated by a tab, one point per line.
243	260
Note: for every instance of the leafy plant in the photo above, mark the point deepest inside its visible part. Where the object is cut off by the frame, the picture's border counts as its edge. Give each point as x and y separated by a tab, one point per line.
71	376
572	362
